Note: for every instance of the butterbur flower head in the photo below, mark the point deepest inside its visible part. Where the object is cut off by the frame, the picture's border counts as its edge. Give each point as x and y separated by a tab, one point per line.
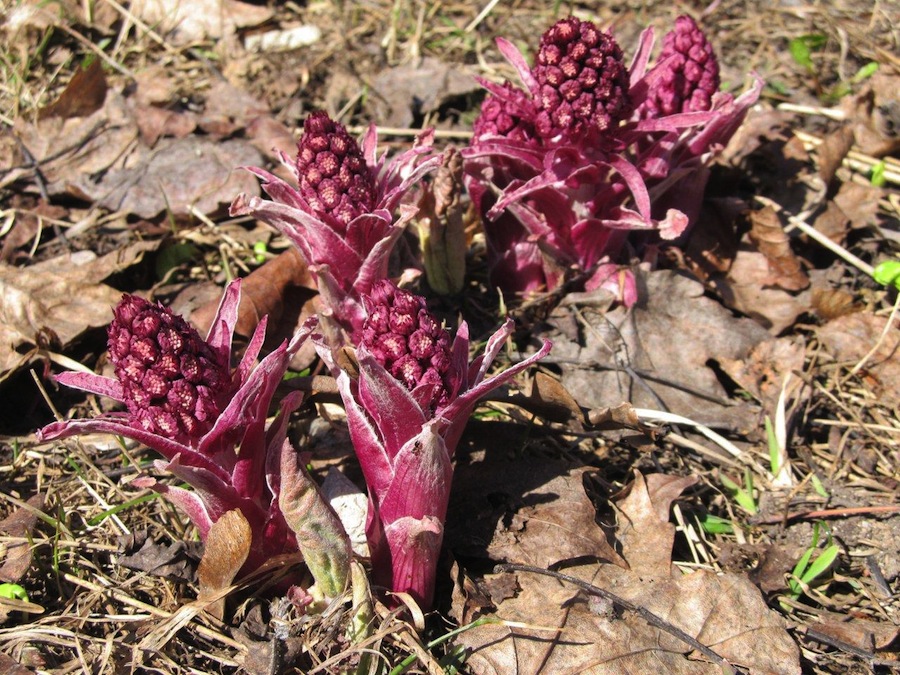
507	111
209	423
332	172
173	383
616	150
406	409
582	81
407	341
341	215
689	73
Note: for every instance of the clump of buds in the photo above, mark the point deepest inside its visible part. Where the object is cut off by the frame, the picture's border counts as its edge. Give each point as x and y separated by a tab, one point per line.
582	81
334	179
590	151
341	214
406	410
173	383
209	423
688	73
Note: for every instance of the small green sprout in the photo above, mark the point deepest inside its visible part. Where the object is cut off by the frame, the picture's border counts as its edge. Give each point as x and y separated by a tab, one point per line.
818	487
802	47
260	252
716	524
877	177
743	495
807	570
774	447
887	273
13	592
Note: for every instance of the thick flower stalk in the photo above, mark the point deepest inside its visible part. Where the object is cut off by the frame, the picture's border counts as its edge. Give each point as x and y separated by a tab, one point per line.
340	212
592	162
406	409
209	423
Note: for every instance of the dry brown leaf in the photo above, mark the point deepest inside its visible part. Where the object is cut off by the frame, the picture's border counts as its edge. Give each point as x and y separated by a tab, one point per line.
770	239
851	338
875	114
227	548
762	372
50	297
400	93
833	150
552	401
746	289
830	303
83	96
185	22
281	289
533	512
177	175
859	202
644	530
20	523
70	150
723	612
668	340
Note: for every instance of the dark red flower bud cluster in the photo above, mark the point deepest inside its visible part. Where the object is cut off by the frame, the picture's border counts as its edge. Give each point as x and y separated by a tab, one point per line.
334	178
690	73
582	80
172	381
508	115
406	339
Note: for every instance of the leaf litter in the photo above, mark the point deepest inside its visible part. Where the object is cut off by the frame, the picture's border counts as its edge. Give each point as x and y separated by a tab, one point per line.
531	494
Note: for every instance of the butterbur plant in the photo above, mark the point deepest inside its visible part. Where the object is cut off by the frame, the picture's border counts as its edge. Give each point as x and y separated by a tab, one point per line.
406	408
208	421
340	213
591	161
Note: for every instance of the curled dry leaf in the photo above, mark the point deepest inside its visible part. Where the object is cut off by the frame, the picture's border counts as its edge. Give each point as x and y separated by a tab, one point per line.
770	239
20	523
227	548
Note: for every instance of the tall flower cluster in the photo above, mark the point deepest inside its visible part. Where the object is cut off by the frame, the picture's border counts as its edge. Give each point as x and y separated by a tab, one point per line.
589	151
209	423
406	410
340	212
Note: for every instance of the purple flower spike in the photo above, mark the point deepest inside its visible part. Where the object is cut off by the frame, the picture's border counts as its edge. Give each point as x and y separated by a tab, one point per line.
582	81
208	422
564	169
689	73
341	214
405	430
173	383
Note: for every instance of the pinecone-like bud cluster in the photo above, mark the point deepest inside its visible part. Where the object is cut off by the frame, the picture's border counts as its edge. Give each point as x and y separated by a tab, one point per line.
509	116
407	340
690	77
582	80
334	178
172	381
